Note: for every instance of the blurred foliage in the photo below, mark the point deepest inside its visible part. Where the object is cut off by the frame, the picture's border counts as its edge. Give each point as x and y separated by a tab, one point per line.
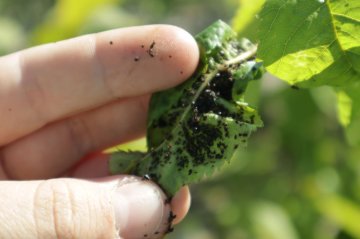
66	19
298	178
349	112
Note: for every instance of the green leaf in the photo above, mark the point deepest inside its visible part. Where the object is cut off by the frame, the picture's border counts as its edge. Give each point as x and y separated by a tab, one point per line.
310	42
246	12
135	145
349	112
128	161
197	126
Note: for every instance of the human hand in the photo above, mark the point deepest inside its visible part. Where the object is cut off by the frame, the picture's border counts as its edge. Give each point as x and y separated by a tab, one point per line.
60	103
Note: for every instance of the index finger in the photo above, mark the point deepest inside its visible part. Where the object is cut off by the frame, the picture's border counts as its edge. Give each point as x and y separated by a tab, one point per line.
50	82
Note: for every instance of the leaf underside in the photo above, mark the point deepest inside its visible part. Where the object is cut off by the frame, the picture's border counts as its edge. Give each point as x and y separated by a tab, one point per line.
197	126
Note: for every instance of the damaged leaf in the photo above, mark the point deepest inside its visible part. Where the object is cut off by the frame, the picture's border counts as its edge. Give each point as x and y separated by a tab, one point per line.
197	126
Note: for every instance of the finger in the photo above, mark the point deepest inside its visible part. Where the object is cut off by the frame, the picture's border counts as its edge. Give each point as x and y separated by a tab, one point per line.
97	166
181	204
73	208
3	175
54	149
50	82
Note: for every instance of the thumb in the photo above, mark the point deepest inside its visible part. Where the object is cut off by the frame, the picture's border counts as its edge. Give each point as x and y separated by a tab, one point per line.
113	207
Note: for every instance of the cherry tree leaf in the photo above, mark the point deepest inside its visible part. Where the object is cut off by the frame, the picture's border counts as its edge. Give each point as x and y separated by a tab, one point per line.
310	42
196	127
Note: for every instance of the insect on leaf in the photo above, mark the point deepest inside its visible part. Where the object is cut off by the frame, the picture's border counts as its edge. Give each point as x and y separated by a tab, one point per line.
197	126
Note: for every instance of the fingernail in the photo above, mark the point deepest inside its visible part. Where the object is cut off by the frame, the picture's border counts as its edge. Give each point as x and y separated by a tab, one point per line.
140	211
180	204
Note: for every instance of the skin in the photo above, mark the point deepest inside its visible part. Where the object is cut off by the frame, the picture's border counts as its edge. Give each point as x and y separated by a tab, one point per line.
61	103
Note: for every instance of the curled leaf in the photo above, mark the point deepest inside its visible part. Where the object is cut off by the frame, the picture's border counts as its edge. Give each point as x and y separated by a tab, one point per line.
197	126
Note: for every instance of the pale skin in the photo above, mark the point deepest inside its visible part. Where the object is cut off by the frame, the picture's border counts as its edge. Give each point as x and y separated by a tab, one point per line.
60	103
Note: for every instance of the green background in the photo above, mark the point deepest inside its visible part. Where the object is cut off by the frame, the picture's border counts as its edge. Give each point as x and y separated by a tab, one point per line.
298	178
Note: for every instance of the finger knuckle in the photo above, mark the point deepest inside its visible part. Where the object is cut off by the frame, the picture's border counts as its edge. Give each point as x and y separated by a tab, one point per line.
54	210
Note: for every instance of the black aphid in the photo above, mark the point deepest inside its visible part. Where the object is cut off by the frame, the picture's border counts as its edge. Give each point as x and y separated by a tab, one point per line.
171	217
167	200
151	49
169	229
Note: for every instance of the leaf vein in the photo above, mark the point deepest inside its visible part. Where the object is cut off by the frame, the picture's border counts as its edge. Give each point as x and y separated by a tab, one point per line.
347	17
291	37
336	35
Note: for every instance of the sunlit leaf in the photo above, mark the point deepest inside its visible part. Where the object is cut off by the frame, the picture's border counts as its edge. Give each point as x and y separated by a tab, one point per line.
135	145
246	12
310	42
